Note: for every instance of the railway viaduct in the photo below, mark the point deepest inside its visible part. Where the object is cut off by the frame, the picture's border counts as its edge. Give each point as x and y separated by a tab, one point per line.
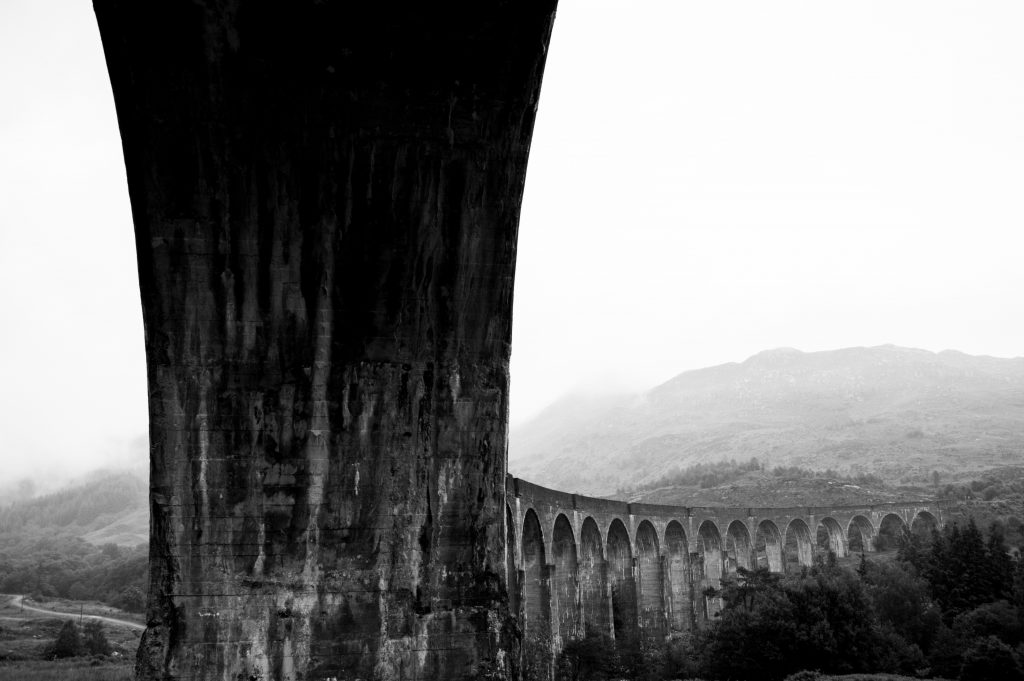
585	565
326	198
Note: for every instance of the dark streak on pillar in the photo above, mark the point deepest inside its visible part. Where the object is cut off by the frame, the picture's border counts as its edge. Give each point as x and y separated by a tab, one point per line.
326	198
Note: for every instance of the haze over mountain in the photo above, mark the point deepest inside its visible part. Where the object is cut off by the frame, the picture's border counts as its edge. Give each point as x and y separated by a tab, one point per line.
106	506
887	410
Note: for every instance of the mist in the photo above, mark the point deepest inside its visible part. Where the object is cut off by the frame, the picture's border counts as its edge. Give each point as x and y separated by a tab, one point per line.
706	181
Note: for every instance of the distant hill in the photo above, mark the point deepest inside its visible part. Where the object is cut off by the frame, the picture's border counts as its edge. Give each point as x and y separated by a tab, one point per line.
107	507
888	410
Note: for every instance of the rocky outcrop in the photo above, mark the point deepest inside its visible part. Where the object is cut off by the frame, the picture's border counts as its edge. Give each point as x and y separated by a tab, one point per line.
326	199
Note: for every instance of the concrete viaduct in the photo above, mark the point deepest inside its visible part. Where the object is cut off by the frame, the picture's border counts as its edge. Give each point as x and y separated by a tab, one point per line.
586	565
326	199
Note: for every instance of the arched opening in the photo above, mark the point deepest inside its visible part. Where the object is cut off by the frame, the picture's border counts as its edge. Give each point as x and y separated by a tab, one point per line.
860	535
650	581
511	572
593	599
680	606
768	546
799	550
565	583
620	576
737	548
892	530
536	603
709	546
922	525
830	537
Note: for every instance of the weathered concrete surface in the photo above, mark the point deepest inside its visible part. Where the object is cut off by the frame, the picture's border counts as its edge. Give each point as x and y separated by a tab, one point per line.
647	569
326	198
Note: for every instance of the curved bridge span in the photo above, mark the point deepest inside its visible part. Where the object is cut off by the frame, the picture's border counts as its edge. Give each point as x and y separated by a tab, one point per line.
581	565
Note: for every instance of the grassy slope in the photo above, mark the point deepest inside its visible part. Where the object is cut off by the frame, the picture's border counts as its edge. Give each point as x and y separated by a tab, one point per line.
24	636
110	507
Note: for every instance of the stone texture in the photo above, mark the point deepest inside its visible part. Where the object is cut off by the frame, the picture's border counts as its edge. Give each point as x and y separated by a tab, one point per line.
326	198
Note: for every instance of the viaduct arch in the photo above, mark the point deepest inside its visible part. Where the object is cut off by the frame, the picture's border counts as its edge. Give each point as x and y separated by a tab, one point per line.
682	553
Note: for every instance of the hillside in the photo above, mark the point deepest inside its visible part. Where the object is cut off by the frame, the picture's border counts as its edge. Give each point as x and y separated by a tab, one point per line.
894	411
107	507
766	490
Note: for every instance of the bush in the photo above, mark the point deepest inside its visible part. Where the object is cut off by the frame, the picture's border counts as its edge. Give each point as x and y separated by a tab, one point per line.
68	642
592	657
94	640
131	599
999	619
989	659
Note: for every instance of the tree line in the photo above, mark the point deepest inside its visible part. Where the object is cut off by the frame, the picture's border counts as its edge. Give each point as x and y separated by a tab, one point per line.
69	567
950	606
708	475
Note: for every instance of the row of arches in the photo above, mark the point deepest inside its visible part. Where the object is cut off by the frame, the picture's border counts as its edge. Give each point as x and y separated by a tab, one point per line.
607	583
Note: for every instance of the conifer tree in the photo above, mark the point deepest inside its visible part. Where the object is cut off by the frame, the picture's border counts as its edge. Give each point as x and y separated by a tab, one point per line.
68	642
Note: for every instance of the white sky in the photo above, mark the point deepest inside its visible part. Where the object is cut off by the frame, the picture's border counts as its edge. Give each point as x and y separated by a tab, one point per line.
707	180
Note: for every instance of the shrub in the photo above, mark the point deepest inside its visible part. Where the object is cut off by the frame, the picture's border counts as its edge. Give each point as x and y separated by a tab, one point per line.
94	640
989	659
68	642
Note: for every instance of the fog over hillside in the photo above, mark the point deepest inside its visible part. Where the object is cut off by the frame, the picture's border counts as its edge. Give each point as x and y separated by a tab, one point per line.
889	410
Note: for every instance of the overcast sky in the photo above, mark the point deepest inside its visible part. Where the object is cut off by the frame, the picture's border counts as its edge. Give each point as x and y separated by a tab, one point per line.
707	180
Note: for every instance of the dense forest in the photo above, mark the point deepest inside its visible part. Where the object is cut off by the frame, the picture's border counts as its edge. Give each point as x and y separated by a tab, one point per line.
68	567
43	554
950	606
707	475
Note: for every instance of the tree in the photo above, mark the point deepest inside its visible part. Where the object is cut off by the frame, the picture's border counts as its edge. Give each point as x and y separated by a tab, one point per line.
901	600
132	599
94	640
989	659
68	642
772	626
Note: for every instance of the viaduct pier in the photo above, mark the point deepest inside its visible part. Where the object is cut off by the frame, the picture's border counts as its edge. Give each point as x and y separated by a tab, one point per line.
579	564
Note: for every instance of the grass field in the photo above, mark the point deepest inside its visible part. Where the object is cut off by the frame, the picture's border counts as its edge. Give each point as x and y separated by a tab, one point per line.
80	669
25	636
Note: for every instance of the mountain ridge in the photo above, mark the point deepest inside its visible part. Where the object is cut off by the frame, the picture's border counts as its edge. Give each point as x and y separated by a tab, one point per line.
886	409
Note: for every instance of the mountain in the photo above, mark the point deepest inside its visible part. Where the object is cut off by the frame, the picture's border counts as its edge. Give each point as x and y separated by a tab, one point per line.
888	410
106	507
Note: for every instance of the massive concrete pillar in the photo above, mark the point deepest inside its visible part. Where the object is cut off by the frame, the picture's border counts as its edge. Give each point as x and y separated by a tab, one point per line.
326	198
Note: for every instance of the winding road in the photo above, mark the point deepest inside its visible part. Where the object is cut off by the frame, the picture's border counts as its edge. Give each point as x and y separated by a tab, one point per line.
19	602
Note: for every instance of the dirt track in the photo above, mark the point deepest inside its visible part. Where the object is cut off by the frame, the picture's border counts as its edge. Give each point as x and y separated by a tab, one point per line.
19	602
